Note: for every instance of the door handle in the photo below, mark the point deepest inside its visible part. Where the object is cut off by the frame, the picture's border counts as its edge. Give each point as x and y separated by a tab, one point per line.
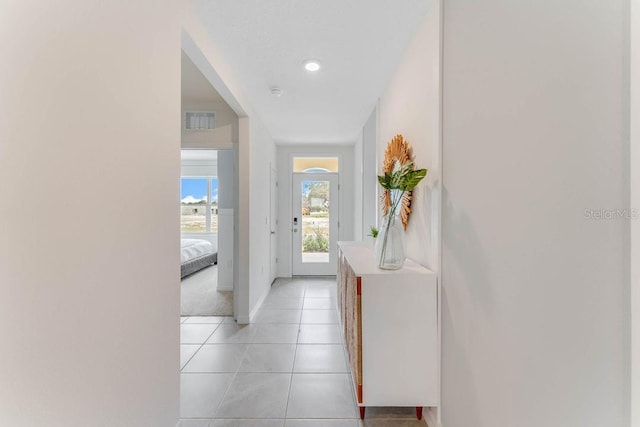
273	232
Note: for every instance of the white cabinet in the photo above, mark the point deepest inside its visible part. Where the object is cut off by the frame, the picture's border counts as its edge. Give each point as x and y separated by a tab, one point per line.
389	322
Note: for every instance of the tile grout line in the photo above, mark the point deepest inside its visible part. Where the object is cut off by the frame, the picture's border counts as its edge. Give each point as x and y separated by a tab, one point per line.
236	374
226	391
295	356
200	345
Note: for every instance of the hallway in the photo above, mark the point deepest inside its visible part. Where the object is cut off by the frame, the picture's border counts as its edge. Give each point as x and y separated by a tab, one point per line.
287	369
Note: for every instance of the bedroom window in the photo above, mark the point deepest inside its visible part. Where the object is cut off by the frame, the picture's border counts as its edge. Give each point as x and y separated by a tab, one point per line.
199	205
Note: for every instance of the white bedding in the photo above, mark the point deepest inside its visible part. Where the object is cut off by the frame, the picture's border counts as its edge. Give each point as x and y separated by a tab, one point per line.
194	248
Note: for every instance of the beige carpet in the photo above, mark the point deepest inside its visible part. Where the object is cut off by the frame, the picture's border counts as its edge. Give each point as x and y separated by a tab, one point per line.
199	296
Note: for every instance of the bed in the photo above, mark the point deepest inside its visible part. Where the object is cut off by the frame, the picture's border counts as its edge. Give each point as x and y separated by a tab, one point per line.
195	255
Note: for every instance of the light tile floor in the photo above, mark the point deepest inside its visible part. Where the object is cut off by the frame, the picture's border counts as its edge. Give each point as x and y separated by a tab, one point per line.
287	369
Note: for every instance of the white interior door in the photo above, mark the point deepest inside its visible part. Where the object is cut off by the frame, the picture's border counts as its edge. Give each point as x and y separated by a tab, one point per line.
273	223
314	224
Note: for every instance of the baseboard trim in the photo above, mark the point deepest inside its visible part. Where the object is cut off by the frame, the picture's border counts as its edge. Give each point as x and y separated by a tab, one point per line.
225	287
243	320
259	303
431	416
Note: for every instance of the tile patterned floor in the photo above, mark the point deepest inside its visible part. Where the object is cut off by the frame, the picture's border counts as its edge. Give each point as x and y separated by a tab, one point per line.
287	369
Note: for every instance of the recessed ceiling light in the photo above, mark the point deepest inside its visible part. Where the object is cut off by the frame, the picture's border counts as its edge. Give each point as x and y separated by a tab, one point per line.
311	65
276	91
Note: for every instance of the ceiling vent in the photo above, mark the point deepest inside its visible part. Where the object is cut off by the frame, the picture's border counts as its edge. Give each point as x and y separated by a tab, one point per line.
199	120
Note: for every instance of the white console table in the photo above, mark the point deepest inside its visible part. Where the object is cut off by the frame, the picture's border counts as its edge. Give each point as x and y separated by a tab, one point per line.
389	322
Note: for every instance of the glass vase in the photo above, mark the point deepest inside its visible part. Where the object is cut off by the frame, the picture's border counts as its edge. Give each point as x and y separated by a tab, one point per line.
391	244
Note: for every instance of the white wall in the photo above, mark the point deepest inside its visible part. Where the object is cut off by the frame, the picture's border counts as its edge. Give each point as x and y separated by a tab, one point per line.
199	168
199	95
224	116
365	179
256	153
635	203
227	177
90	294
346	198
242	271
410	105
358	196
535	309
369	174
261	157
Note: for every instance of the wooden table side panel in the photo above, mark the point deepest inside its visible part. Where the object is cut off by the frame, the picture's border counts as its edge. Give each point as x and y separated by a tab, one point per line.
353	326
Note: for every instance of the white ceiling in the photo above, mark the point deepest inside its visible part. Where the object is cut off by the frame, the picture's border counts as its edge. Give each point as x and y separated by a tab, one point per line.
359	43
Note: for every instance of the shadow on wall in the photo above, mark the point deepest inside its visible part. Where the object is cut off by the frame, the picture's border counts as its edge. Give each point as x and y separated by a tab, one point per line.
456	369
461	242
418	232
462	245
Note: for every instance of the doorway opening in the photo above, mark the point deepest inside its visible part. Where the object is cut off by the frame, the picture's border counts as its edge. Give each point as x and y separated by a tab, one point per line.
208	183
206	235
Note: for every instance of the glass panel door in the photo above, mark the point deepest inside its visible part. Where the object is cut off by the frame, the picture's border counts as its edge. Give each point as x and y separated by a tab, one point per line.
314	223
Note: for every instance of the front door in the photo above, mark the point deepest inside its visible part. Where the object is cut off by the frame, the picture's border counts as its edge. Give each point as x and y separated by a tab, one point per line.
315	223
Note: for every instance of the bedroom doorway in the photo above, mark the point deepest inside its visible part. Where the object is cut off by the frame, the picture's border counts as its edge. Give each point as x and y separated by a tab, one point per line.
208	201
206	228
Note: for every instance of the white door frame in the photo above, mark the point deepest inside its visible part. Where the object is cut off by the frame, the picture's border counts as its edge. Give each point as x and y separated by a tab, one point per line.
299	268
273	223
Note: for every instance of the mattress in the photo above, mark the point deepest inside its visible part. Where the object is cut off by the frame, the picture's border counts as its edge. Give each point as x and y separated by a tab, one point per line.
191	249
196	254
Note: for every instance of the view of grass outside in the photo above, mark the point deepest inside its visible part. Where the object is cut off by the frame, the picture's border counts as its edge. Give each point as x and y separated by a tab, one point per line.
197	223
315	218
195	194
